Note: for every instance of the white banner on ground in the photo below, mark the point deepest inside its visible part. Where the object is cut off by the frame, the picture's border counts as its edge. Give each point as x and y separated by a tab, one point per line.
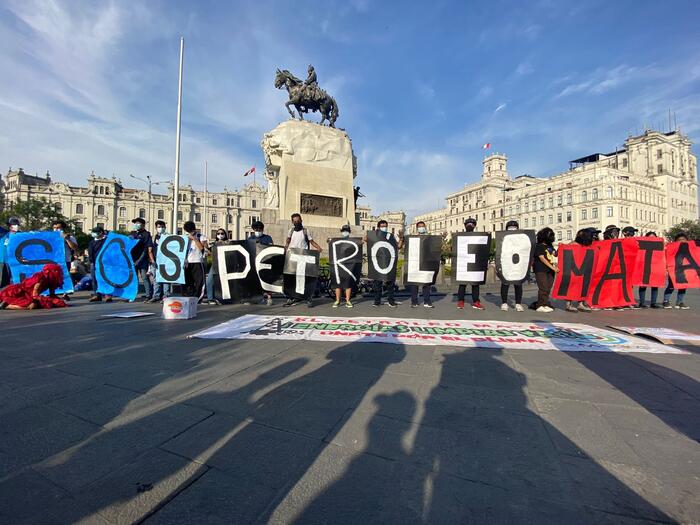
567	337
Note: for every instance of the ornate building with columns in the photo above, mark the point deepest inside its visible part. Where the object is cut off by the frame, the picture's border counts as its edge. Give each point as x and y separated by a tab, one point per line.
106	202
368	221
650	184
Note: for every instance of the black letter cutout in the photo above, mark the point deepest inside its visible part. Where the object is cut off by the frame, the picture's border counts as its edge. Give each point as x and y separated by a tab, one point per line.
569	267
649	247
22	259
170	255
122	249
683	254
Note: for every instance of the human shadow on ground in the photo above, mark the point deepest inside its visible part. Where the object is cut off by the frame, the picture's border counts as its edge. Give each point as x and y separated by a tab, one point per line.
480	455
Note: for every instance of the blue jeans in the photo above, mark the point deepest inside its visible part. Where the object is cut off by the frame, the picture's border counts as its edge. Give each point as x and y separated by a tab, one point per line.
426	294
147	286
643	294
210	284
668	292
162	290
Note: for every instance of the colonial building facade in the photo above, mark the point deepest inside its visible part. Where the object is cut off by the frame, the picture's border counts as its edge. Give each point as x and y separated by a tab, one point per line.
396	219
650	184
106	202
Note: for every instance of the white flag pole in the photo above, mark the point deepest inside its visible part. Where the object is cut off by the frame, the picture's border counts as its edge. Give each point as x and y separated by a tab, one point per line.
176	182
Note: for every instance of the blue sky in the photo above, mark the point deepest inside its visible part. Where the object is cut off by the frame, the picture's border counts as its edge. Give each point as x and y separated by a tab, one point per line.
420	85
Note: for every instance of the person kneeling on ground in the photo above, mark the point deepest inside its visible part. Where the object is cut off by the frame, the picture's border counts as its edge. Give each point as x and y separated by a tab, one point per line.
345	233
27	294
544	268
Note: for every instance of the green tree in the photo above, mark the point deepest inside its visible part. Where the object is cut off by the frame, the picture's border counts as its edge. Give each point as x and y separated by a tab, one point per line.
34	214
691	228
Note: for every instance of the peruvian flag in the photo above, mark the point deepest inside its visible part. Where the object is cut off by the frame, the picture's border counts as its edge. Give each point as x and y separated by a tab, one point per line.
486	146
251	170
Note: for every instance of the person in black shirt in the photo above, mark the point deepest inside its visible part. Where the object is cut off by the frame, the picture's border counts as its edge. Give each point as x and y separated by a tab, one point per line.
383	233
518	288
470	226
544	267
142	254
99	236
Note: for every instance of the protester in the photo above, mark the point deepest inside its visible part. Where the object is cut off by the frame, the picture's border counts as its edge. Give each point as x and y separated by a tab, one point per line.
545	267
71	245
345	233
517	288
470	226
99	236
221	237
27	295
425	289
300	237
643	289
160	290
260	237
378	286
194	263
668	292
584	237
629	231
142	254
77	271
611	232
13	226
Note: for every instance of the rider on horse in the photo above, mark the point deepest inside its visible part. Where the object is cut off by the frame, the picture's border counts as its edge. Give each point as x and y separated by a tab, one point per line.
311	83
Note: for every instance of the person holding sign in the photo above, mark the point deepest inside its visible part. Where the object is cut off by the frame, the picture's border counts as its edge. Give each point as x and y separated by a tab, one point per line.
194	264
221	236
668	292
584	237
13	226
544	268
345	233
300	237
643	289
470	226
260	237
383	235
517	288
142	254
425	289
98	239
160	290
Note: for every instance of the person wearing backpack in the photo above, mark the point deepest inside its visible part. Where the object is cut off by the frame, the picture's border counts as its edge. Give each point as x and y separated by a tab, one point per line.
300	237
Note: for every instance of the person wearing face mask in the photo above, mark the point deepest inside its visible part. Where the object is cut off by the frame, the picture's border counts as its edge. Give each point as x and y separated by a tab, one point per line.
99	236
13	226
668	292
643	289
611	232
160	290
142	254
425	289
344	233
584	237
517	288
221	236
260	237
71	245
300	237
470	226
195	275
545	268
378	286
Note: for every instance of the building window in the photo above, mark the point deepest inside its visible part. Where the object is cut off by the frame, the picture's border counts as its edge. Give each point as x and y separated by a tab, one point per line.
609	192
558	217
79	226
594	213
197	217
559	200
214	202
541	220
184	198
161	215
122	212
584	196
527	207
101	224
594	194
551	202
549	219
142	213
255	203
230	218
659	168
79	209
106	191
584	215
100	210
568	198
102	190
541	204
526	221
568	235
568	216
609	211
179	216
659	154
624	163
122	227
214	218
198	200
58	206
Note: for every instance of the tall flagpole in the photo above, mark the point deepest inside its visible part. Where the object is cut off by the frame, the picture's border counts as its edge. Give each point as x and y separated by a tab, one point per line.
205	229
176	190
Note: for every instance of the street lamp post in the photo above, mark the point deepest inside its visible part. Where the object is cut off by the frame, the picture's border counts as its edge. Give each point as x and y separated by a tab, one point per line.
150	183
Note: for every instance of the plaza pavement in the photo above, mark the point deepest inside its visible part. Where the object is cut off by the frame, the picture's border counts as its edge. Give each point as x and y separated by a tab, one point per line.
127	420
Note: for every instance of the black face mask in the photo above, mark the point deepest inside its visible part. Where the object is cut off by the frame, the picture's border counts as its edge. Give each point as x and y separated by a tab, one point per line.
298	226
469	227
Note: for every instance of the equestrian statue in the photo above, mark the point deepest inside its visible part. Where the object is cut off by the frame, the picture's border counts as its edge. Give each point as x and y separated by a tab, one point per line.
307	96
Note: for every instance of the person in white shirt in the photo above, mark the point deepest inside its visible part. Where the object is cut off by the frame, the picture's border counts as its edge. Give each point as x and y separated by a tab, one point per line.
194	264
300	237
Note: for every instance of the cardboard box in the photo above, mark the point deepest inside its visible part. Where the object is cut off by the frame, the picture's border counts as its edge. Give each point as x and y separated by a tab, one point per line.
179	307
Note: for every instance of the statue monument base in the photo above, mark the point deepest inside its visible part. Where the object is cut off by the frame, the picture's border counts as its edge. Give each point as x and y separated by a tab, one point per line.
310	170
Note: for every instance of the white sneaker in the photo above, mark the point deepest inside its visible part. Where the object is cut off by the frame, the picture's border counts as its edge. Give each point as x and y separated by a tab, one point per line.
545	309
504	307
336	304
519	308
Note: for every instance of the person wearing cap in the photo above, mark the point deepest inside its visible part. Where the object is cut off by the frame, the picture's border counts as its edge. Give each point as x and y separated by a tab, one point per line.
345	233
260	237
71	245
643	289
668	292
160	290
99	236
142	254
13	226
425	289
517	288
221	237
629	231
584	237
611	232
378	286
470	226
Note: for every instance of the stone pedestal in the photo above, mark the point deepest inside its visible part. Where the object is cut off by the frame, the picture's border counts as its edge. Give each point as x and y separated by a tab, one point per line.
310	170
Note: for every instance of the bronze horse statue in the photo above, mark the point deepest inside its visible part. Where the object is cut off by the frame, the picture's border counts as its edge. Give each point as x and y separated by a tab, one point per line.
306	98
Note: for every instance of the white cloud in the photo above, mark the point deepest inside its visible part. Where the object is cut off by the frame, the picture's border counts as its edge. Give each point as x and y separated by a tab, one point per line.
500	107
524	68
